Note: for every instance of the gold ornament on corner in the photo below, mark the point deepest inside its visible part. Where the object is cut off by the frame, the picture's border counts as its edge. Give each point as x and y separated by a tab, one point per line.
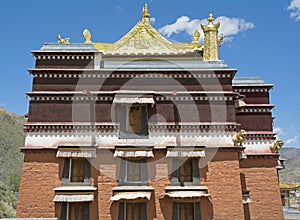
277	146
239	138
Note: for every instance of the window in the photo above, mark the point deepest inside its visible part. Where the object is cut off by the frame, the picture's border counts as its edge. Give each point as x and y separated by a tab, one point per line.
133	121
185	172
186	211
133	172
75	211
76	171
132	211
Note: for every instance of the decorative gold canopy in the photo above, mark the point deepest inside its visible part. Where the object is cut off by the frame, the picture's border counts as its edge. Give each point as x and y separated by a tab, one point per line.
143	39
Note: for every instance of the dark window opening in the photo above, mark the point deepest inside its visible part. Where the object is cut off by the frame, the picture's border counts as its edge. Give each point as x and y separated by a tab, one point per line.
77	170
75	211
132	211
186	211
133	172
134	121
186	171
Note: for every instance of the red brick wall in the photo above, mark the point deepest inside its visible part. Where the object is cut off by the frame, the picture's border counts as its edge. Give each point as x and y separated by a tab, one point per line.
261	179
222	175
223	182
107	179
39	177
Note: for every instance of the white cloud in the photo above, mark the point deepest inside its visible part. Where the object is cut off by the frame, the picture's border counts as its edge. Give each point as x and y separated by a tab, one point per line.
279	131
152	20
294	7
292	140
229	26
183	23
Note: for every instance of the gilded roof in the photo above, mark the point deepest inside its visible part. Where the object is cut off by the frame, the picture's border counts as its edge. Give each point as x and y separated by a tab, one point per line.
144	40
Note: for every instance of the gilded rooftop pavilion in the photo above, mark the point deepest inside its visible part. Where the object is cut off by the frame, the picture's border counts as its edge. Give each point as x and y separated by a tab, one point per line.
144	128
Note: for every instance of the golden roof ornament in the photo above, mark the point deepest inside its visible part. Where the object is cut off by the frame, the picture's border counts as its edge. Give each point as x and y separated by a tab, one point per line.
145	14
146	40
196	36
239	138
211	40
277	146
87	36
62	40
220	39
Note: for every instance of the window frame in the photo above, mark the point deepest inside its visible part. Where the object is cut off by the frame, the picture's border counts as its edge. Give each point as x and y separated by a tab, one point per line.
137	166
65	210
124	120
67	173
122	213
176	210
123	178
71	171
175	175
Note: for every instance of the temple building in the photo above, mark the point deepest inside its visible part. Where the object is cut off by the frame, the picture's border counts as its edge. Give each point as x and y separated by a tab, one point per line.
145	128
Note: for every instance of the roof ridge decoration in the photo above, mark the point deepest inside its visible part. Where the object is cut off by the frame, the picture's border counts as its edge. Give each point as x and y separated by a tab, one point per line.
143	39
211	39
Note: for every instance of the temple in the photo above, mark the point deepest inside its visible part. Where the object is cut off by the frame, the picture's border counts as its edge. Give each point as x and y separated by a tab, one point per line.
144	128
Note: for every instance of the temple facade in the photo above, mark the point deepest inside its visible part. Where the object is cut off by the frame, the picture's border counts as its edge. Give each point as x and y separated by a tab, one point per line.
144	128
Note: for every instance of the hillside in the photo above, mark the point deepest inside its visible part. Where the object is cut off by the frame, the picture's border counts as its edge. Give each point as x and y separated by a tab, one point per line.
291	173
11	140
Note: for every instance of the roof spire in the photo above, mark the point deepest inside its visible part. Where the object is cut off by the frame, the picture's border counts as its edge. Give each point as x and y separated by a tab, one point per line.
145	14
211	39
87	36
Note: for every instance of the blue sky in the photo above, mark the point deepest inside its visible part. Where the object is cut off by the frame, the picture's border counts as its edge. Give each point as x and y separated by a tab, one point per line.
262	39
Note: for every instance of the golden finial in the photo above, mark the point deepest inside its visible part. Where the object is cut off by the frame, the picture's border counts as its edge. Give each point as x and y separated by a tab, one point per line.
145	14
211	40
210	18
62	40
87	36
196	36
